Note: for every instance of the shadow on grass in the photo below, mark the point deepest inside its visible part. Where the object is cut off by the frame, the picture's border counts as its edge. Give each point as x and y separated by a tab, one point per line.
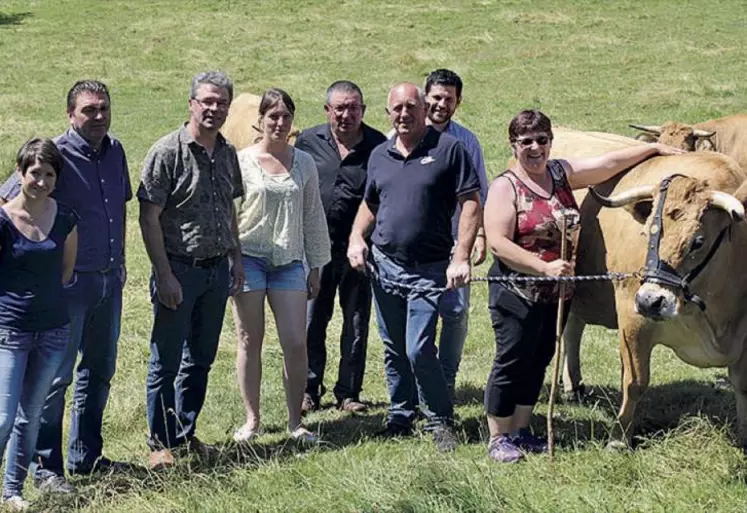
13	19
335	434
662	409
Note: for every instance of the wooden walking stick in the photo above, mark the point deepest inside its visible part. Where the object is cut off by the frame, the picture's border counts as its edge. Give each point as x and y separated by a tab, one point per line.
558	343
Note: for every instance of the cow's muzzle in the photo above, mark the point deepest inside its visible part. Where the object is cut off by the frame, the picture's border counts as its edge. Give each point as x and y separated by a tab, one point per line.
655	302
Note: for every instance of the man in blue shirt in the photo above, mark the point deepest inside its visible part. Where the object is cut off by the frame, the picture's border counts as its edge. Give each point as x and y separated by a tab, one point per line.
415	183
443	94
95	183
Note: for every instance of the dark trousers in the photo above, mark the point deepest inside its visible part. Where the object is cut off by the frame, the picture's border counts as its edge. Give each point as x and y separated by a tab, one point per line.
355	302
524	347
183	346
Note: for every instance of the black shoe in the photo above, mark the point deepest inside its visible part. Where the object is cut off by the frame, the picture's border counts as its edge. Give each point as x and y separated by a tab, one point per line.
103	465
444	438
52	483
395	431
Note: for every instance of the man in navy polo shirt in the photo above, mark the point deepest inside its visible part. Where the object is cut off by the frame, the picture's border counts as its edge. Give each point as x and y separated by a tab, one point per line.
415	183
95	183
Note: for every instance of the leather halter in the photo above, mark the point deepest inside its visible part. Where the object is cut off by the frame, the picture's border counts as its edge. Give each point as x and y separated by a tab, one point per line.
660	272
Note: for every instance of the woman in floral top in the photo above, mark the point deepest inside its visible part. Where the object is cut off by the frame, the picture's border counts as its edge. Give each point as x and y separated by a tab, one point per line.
523	216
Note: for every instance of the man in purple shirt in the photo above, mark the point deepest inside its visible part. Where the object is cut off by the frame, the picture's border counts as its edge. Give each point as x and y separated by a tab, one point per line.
95	183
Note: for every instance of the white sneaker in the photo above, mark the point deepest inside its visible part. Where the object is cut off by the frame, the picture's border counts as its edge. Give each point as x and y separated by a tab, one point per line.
16	503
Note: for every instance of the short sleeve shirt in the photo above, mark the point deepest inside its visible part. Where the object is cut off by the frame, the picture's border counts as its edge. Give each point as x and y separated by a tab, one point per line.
31	293
414	197
196	191
95	183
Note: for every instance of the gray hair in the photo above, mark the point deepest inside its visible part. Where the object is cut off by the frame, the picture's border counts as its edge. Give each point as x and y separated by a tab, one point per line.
215	78
343	86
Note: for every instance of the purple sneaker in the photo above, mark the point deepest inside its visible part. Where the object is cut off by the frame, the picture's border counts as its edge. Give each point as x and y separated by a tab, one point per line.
503	450
527	442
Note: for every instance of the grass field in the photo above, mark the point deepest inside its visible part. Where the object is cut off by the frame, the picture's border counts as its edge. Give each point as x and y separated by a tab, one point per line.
588	64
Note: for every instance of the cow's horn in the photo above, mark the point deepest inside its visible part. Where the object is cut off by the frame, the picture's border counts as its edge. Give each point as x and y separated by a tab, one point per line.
703	133
729	203
651	129
635	194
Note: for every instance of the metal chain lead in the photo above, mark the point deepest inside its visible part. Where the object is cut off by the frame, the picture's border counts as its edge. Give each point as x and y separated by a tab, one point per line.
609	276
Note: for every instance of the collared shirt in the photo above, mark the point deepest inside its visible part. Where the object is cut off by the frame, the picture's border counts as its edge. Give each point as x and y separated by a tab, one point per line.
96	185
472	145
414	197
342	182
195	190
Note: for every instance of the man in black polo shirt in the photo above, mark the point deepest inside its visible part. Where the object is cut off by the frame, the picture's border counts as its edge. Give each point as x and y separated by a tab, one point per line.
415	182
340	148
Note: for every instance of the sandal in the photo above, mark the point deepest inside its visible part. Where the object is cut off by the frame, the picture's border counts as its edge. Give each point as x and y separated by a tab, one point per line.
245	434
301	434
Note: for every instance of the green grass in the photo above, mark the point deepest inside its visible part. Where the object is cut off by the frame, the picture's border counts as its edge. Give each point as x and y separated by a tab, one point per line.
588	64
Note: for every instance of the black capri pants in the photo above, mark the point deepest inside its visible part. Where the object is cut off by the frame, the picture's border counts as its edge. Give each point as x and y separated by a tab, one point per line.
524	347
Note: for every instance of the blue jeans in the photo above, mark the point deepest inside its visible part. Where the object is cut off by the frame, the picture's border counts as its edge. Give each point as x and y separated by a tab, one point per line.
355	303
95	308
454	312
183	346
407	326
28	364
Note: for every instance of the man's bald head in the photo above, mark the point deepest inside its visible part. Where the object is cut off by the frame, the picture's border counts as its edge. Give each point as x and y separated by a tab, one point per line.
407	110
405	90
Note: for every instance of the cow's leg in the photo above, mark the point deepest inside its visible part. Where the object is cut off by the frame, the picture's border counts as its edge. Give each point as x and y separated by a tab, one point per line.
738	378
574	330
635	351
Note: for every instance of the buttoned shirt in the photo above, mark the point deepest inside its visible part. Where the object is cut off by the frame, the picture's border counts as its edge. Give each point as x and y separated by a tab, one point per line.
413	197
342	182
96	185
196	191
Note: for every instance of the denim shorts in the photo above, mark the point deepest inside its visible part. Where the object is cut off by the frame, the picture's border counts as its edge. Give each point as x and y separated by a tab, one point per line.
262	275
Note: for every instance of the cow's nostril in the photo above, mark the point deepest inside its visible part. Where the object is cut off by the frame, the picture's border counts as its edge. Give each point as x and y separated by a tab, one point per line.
657	303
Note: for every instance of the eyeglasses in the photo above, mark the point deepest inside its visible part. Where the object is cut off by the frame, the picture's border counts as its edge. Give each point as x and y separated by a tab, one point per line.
528	141
353	108
209	103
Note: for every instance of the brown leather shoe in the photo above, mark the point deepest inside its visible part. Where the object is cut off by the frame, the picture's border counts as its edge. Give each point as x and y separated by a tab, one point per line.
352	406
160	460
308	404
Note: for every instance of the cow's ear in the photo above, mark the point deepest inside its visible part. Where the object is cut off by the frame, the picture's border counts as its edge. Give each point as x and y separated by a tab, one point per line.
704	144
640	210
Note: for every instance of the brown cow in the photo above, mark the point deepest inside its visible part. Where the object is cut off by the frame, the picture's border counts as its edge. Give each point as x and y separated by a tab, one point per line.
727	135
242	124
703	203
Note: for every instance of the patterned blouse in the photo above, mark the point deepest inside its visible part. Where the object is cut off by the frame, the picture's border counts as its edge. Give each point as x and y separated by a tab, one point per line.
538	230
281	217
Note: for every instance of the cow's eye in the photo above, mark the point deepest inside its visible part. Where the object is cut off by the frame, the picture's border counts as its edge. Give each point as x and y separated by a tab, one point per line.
697	243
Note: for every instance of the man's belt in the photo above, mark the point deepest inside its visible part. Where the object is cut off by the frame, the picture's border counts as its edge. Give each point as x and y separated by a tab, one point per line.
197	262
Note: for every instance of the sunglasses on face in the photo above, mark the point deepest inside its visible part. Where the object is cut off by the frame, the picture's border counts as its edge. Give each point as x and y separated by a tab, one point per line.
528	141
